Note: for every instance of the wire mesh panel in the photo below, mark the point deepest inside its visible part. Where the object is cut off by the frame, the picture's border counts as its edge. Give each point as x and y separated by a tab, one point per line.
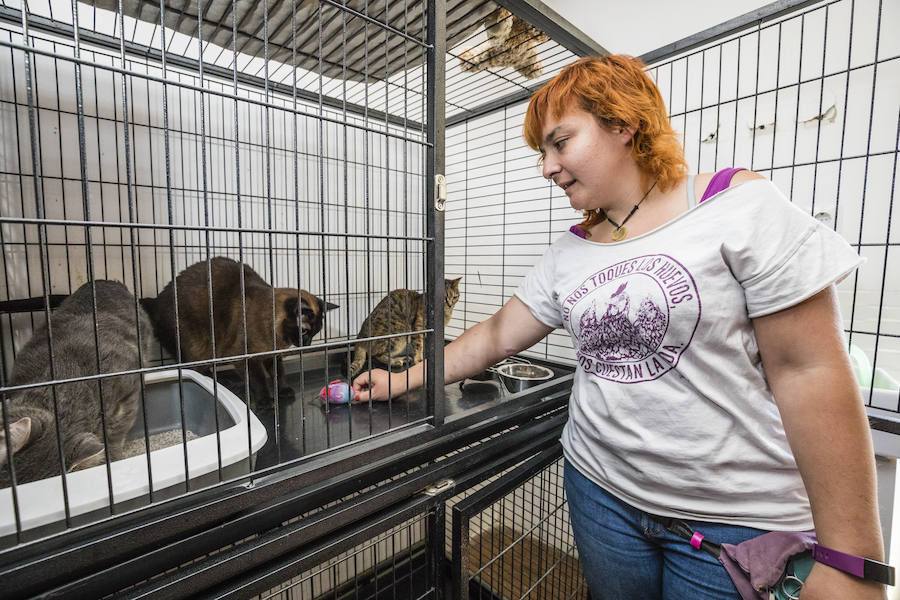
512	538
811	101
808	99
505	216
393	565
256	181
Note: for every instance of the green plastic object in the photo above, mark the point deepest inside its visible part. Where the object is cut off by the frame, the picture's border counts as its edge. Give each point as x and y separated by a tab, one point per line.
862	368
882	380
868	377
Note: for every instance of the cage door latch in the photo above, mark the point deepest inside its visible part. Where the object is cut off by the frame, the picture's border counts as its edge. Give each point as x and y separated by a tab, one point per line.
441	486
440	192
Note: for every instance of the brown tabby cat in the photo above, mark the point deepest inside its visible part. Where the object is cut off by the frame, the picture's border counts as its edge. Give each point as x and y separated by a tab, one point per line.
401	310
34	414
293	325
511	43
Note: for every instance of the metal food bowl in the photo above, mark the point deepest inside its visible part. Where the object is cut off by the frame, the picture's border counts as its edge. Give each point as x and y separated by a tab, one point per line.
517	376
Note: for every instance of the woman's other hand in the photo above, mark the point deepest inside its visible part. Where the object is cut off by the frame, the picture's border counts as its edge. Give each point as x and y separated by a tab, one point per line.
825	583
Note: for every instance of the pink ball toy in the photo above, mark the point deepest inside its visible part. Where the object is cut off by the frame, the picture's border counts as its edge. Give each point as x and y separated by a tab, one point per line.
337	392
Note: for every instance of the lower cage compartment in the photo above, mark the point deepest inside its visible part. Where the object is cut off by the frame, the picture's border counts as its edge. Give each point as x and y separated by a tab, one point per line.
398	579
516	565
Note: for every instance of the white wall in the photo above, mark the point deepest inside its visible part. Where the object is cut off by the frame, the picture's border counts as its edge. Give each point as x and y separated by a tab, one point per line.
640	26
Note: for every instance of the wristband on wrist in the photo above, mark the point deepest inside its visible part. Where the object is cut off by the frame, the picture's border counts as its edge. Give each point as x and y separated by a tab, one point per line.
864	568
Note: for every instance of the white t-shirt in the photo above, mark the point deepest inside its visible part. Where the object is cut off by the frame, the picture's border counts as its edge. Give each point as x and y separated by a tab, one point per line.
670	409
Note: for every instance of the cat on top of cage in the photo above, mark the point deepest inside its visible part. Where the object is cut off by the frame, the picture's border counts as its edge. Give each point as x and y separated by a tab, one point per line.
401	310
33	414
511	42
298	317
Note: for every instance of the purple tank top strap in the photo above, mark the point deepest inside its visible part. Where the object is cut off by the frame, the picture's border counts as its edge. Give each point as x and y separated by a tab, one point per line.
577	231
720	181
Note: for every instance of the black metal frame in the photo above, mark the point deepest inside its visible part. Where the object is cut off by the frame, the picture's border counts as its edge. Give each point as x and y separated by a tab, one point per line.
464	510
276	556
435	167
559	29
108	556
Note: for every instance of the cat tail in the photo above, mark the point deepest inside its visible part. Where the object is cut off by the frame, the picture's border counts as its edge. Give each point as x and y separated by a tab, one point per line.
31	304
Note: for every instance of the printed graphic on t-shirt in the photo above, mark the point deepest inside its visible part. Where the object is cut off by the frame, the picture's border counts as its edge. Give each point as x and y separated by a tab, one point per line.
634	319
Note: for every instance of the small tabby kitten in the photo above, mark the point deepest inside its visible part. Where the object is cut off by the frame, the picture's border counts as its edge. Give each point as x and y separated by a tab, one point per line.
32	419
511	43
399	311
298	317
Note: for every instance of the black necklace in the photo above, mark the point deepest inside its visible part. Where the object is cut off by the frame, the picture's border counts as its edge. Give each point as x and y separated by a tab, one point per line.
619	232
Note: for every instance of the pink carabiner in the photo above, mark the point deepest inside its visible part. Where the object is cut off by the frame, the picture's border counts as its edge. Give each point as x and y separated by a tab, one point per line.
696	539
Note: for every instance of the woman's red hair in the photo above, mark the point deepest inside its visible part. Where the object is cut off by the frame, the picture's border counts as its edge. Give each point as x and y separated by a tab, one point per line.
619	93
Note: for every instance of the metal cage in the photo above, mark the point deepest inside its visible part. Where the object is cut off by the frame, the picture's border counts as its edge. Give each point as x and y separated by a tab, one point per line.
307	140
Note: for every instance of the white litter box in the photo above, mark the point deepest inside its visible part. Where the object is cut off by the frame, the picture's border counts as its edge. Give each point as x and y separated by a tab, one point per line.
41	507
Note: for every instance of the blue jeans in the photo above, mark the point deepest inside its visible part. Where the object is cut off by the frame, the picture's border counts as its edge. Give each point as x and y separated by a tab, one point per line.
627	555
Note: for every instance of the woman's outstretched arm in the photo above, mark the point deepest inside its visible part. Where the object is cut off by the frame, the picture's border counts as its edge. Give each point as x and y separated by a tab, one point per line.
510	330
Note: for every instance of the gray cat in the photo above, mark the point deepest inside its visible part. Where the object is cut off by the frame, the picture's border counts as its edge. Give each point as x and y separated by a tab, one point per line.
30	412
399	311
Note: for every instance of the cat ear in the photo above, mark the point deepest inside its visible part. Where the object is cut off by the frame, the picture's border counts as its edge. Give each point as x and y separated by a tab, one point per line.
330	306
19	434
290	306
87	452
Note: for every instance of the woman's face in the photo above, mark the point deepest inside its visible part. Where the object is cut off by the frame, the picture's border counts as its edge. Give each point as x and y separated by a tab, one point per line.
584	158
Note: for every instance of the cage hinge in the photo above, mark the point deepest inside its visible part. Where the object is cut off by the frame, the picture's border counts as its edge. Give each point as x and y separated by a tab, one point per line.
441	486
440	192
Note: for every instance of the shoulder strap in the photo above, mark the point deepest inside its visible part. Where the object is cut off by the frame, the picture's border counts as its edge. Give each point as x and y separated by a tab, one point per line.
720	181
691	197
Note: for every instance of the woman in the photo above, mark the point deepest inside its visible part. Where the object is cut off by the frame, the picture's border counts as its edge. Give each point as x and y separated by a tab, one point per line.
713	383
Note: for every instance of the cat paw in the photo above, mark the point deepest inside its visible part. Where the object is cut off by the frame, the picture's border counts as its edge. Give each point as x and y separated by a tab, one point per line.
401	364
355	370
88	451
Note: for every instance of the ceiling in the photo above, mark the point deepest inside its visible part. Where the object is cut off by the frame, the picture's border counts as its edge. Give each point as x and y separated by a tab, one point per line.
639	26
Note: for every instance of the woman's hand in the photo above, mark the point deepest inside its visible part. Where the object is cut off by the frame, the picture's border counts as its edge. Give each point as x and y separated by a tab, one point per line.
825	583
378	385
